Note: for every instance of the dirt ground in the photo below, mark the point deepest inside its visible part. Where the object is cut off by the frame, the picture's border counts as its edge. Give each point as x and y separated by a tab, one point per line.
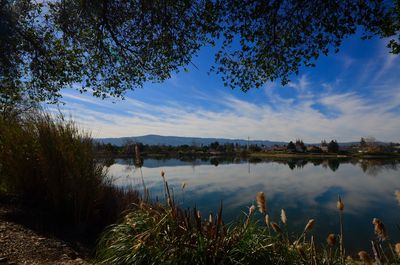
22	245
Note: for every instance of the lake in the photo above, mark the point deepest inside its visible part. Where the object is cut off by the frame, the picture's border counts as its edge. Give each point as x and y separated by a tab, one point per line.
305	189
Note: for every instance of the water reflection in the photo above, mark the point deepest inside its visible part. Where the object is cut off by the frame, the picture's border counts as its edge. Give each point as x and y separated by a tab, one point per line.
369	166
304	188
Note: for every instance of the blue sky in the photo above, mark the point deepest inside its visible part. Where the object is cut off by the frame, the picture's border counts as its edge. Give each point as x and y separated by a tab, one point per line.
348	95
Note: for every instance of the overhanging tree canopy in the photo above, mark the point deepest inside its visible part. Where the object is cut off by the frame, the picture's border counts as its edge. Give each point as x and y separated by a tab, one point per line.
111	46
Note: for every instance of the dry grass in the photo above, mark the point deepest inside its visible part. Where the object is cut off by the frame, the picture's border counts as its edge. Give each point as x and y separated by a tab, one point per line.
164	234
50	164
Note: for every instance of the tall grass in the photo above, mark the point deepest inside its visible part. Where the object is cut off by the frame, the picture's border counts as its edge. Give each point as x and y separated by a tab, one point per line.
50	164
155	233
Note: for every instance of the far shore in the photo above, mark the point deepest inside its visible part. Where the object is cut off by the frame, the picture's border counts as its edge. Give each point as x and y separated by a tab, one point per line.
260	155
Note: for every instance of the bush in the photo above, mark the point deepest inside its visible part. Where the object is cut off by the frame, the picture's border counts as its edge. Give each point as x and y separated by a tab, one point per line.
49	163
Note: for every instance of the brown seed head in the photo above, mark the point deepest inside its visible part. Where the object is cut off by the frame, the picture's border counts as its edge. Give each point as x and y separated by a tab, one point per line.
276	227
364	257
261	202
162	173
267	222
397	194
331	240
283	216
339	204
397	248
379	229
183	185
375	221
309	225
210	218
252	209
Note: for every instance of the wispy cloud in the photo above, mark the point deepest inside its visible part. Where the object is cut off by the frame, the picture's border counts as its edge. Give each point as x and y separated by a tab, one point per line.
238	118
300	84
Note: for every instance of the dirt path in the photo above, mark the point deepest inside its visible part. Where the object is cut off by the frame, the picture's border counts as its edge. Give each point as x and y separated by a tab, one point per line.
21	245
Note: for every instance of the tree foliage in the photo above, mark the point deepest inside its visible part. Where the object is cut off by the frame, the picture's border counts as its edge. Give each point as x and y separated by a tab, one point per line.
110	46
333	146
269	40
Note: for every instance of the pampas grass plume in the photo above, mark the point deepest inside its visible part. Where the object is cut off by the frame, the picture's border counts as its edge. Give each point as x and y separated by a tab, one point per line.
309	225
331	240
276	227
339	204
283	216
397	194
397	248
261	202
267	222
364	257
379	229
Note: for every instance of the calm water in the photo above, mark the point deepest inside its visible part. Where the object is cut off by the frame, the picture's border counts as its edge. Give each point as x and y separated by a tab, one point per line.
305	189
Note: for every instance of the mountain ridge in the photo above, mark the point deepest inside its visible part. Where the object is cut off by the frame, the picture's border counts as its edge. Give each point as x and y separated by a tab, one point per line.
154	139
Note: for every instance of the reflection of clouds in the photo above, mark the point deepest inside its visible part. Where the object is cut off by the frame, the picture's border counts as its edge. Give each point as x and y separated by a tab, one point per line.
304	192
237	187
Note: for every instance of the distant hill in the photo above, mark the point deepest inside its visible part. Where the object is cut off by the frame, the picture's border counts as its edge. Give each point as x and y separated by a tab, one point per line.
152	139
177	140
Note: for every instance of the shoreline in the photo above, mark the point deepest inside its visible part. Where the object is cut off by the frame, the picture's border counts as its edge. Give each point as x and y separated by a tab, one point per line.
261	155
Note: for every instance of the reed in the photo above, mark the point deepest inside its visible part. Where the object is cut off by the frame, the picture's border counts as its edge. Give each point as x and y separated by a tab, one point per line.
364	257
50	165
340	207
165	234
397	248
261	202
283	216
379	229
331	241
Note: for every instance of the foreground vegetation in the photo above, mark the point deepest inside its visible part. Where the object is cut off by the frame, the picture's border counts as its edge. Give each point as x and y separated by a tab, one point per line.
49	165
153	233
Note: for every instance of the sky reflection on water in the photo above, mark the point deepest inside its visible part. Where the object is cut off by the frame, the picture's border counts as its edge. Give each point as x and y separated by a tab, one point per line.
304	189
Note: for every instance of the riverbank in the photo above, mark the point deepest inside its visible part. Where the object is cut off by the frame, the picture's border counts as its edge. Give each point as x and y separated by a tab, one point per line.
260	155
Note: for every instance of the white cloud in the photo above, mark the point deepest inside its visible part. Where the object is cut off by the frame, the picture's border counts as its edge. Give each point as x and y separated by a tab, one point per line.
237	118
301	85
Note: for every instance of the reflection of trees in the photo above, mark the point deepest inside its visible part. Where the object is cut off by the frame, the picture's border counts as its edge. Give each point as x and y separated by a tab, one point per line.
295	163
333	164
255	160
316	162
373	167
214	161
291	164
369	166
